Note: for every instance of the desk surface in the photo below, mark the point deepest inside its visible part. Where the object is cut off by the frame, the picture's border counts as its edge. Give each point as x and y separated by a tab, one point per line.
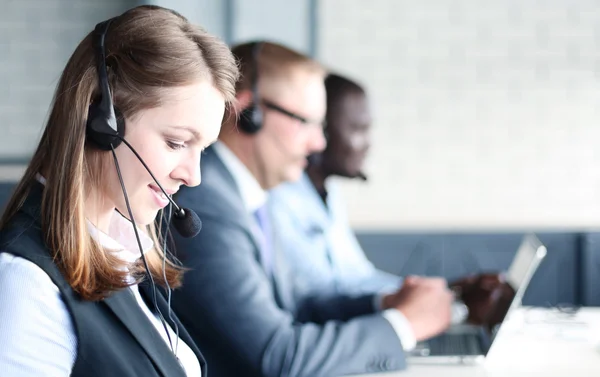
532	342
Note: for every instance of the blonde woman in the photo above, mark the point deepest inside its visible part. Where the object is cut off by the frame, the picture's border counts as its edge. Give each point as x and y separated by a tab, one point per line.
78	245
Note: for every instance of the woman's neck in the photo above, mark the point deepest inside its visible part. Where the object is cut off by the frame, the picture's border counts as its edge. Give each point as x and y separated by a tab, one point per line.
99	211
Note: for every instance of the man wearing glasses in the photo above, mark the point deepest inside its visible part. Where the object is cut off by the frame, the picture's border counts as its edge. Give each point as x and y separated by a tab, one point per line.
247	313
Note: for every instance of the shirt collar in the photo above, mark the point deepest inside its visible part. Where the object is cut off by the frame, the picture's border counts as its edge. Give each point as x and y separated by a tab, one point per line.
306	185
121	236
253	195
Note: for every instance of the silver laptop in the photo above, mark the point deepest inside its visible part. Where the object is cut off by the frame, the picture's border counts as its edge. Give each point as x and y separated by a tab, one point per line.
470	344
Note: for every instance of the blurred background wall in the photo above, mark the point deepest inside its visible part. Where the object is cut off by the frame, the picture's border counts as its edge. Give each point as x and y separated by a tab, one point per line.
485	112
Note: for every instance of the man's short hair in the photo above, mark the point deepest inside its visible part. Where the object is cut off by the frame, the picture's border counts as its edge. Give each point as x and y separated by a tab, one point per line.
274	62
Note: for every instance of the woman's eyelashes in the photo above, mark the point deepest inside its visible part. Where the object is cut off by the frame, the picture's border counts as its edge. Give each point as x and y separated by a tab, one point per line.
175	145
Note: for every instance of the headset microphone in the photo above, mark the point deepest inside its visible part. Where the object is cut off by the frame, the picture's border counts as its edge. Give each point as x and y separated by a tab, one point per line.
360	175
314	159
186	222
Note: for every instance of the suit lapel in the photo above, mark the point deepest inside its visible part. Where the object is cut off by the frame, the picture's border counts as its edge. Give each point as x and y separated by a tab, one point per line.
223	175
124	306
281	274
257	237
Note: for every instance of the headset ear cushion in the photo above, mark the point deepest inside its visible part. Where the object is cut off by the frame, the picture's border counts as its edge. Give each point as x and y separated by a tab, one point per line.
250	120
99	130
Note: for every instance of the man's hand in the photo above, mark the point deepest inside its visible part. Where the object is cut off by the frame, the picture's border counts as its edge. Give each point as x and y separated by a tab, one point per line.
426	304
486	296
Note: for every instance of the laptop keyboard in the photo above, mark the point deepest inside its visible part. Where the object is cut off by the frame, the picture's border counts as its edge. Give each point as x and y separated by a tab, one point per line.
454	344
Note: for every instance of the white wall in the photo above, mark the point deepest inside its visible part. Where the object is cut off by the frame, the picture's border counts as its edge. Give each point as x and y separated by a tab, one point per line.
285	21
210	14
237	21
36	39
486	112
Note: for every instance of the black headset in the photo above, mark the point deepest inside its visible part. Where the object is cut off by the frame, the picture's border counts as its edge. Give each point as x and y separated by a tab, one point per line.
105	124
105	128
251	118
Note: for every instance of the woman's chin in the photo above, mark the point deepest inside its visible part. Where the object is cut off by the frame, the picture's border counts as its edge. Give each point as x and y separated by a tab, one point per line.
144	218
148	218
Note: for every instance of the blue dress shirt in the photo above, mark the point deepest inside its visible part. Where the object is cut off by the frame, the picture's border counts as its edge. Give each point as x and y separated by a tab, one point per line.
320	243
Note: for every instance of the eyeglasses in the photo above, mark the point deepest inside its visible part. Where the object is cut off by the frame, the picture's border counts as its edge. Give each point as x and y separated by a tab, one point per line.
272	106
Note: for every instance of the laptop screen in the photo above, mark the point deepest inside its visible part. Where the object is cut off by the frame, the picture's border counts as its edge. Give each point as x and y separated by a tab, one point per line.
521	269
525	262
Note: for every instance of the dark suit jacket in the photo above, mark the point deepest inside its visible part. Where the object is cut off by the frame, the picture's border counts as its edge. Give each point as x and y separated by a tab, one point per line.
248	323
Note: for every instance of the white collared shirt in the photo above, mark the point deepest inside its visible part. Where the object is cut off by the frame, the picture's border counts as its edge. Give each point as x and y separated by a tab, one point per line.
252	194
254	197
37	335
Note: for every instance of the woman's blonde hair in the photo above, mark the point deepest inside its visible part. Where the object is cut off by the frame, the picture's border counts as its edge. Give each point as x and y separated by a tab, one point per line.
148	50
